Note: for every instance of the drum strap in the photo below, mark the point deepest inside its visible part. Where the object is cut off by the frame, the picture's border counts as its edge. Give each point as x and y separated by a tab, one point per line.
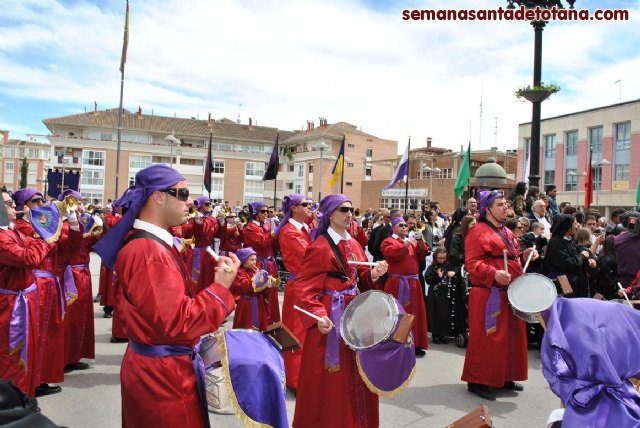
339	275
504	239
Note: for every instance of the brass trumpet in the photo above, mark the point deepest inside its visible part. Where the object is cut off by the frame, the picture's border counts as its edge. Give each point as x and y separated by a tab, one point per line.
358	214
191	242
420	226
192	211
70	203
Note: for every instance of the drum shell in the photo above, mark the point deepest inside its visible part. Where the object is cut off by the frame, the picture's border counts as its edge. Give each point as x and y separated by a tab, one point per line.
397	311
545	294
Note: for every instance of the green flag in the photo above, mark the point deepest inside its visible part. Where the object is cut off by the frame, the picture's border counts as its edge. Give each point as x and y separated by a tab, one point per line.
638	193
464	174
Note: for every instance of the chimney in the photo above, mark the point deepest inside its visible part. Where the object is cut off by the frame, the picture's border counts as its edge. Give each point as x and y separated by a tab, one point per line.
209	120
5	136
95	106
308	126
250	123
428	142
313	125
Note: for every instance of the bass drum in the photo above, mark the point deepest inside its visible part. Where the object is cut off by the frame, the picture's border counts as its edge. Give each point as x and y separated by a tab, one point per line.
217	392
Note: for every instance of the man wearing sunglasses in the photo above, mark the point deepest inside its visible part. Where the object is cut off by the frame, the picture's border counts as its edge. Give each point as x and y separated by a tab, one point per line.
331	392
259	235
19	256
497	352
164	319
231	241
51	294
403	282
293	236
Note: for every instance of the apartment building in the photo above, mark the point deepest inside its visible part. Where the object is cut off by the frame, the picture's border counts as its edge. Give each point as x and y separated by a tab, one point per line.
87	143
35	149
611	132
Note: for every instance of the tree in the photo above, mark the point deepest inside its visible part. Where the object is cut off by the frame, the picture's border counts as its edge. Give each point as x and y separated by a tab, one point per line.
24	170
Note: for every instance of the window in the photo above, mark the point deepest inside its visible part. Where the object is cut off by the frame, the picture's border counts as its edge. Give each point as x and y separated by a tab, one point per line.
32	172
445	173
351	146
369	152
310	168
298	188
623	136
289	185
222	147
549	146
93	158
161	159
139	162
218	167
300	169
8	171
349	164
572	143
135	138
248	148
106	136
549	177
92	177
21	153
367	171
570	181
192	162
595	139
217	188
254	187
596	172
9	153
8	166
248	199
290	168
348	183
254	169
91	195
34	153
621	173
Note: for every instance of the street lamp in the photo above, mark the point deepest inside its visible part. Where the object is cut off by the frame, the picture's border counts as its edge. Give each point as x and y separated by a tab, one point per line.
431	170
601	163
575	174
173	140
538	26
322	147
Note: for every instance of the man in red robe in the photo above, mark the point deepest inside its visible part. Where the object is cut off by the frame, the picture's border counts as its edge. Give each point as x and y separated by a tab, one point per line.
231	239
357	232
51	296
107	277
162	374
331	392
403	282
497	351
259	235
293	235
19	326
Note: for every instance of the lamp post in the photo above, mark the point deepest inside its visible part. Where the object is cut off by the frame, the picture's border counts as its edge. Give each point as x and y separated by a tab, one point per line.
601	163
431	170
322	147
47	167
538	26
575	174
173	140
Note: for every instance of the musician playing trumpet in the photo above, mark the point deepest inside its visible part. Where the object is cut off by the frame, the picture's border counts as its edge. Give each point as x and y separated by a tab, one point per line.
231	236
251	286
403	256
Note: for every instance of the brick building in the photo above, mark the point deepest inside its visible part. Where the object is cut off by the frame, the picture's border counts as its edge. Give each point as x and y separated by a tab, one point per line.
35	148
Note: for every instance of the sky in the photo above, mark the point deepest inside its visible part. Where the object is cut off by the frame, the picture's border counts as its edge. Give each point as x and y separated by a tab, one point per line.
283	62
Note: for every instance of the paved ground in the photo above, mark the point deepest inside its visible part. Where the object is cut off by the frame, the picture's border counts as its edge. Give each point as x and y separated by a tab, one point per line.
435	398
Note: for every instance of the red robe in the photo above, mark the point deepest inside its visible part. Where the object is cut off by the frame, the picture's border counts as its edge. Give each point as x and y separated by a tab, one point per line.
293	244
358	233
51	352
79	332
500	356
161	391
107	276
204	235
339	398
243	286
405	261
231	240
259	238
18	256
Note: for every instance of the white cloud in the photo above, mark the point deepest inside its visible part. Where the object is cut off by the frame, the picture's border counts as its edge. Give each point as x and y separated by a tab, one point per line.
289	61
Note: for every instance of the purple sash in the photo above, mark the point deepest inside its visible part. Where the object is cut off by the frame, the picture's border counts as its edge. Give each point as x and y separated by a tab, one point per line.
264	261
61	296
70	282
196	263
255	318
19	322
174	351
404	292
492	310
332	352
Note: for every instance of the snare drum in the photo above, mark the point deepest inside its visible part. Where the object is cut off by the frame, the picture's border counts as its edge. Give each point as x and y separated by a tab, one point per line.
530	295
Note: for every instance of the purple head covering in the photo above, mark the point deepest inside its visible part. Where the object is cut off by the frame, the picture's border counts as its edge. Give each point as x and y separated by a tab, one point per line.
589	352
21	196
485	200
68	192
289	202
244	254
327	206
149	180
201	201
396	220
254	208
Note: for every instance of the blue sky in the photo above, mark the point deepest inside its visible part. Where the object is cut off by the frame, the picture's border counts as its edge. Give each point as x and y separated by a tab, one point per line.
289	61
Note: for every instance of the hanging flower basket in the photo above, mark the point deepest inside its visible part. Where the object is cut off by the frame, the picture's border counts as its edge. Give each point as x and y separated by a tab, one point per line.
536	93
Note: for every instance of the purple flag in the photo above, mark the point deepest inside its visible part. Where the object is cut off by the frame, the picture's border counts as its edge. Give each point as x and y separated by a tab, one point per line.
403	170
271	173
46	221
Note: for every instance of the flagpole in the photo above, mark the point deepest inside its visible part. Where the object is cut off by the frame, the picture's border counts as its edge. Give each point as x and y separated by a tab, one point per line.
343	166
123	59
406	185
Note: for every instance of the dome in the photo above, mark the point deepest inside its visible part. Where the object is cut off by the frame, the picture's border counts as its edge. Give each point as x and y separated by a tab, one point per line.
491	171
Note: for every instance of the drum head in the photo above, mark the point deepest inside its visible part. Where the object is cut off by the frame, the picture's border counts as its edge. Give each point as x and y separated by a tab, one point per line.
369	319
532	293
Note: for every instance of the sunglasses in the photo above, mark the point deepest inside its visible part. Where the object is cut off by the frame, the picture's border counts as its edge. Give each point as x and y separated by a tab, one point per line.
346	209
181	194
36	200
402	225
263	211
305	204
10	204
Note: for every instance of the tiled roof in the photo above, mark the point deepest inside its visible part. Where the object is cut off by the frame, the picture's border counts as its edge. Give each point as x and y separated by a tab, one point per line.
163	124
335	130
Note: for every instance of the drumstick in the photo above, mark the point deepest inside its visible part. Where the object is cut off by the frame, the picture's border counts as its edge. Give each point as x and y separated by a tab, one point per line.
314	316
212	253
372	264
625	295
526	265
506	265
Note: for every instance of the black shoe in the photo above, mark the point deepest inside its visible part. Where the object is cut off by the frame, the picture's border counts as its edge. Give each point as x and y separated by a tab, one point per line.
107	315
481	391
97	299
420	352
118	340
514	386
45	389
76	366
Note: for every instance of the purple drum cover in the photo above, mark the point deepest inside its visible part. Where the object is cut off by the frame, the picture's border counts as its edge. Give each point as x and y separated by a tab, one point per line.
388	367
